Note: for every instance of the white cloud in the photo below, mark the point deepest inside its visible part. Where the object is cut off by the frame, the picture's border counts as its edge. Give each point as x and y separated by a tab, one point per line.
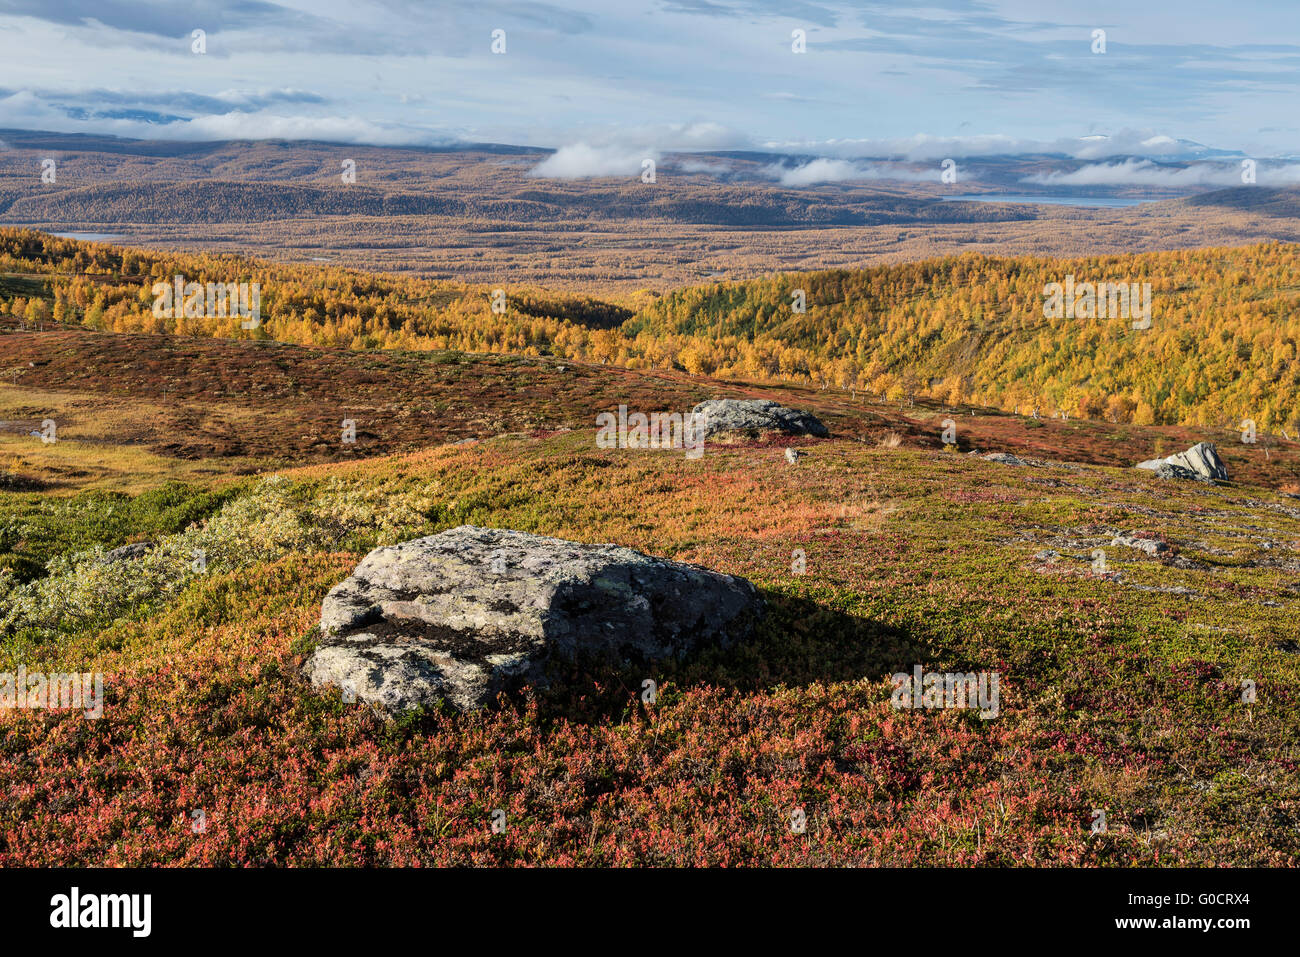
700	136
582	160
842	171
818	171
923	147
336	129
1146	173
25	110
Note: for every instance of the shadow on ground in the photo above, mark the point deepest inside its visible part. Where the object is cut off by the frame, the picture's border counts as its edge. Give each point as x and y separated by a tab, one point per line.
798	642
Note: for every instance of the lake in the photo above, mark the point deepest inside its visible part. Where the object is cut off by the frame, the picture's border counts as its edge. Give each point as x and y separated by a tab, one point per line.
91	237
1106	201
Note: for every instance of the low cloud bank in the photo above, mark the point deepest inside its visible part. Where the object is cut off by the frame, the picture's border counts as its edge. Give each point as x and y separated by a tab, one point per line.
585	161
925	148
1132	172
823	170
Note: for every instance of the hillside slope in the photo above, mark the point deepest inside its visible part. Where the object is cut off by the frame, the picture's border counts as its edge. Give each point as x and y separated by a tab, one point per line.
1221	348
1121	690
134	409
1121	683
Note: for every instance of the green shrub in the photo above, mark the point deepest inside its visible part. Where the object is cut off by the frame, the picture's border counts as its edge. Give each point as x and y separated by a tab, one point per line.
82	590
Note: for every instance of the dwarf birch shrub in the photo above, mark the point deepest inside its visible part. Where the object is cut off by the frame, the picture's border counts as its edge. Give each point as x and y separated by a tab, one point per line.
372	516
83	590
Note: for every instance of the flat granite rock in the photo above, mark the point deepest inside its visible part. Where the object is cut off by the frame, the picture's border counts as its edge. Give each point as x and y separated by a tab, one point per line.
464	614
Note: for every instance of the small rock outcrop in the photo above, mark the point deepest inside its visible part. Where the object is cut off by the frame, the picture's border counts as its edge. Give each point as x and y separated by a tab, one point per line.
128	552
1201	461
467	613
1153	547
1005	458
756	415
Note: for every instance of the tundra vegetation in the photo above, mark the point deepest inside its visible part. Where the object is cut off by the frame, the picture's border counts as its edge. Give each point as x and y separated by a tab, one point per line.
1123	686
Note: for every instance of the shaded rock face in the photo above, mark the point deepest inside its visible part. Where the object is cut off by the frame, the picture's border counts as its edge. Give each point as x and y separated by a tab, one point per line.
1201	461
469	612
756	415
1170	472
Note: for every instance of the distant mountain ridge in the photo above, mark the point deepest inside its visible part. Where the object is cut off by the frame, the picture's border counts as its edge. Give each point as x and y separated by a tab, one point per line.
479	214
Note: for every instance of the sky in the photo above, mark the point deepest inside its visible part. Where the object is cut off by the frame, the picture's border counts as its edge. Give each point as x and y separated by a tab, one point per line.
609	81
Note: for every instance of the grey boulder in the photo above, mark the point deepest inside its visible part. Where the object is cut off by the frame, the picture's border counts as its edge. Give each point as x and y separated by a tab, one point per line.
467	613
1005	458
756	415
1201	461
